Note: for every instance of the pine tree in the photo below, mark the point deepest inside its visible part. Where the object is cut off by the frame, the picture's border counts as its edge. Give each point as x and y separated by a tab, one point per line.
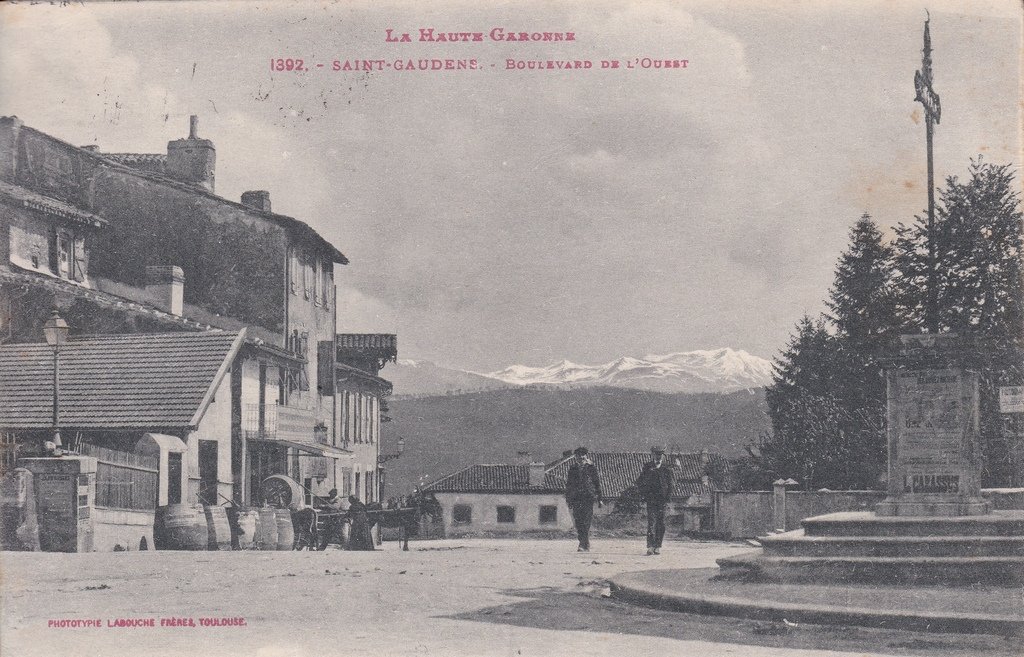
978	228
864	314
804	411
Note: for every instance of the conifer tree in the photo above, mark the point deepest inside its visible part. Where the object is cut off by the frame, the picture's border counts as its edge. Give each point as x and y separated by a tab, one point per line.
979	247
804	411
864	314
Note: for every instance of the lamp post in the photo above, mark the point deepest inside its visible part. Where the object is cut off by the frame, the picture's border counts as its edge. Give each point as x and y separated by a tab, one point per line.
56	331
381	460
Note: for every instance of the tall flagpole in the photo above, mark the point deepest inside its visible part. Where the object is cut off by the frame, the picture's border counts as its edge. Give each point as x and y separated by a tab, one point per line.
932	110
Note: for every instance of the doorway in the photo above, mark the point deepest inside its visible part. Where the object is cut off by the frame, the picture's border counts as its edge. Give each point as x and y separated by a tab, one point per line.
208	472
174	478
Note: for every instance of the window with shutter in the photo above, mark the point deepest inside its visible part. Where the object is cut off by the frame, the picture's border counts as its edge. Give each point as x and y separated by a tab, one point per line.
317	282
294	267
78	265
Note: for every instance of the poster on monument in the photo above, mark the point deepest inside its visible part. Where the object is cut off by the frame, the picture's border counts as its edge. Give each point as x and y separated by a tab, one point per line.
609	224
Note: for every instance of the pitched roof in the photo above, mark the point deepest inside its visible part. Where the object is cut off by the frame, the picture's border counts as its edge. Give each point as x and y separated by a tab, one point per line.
298	228
370	345
139	381
499	478
617	471
36	201
156	162
17	276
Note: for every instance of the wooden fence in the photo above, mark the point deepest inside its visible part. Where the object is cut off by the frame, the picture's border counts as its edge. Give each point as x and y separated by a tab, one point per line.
124	480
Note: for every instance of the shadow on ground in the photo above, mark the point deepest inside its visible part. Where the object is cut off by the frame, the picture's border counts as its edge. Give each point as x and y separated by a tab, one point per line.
554	609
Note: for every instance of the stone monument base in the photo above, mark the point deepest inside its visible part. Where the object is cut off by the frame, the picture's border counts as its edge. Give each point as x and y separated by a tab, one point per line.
865	548
932	506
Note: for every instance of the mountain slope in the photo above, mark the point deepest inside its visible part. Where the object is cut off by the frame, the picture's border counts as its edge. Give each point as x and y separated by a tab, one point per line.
719	370
446	433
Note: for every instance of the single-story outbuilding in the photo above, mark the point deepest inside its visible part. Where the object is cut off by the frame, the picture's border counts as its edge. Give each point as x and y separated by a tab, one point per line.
530	497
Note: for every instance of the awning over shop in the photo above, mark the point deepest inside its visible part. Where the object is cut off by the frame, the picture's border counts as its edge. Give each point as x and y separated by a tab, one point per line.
316	449
155	442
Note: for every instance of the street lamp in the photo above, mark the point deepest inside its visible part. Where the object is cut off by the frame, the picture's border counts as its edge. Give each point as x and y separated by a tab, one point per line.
383	458
56	331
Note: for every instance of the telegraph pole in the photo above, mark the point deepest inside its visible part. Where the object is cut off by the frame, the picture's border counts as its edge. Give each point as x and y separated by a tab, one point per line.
932	110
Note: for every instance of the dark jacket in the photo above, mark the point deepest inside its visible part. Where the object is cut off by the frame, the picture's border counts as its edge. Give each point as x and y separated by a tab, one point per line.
655	484
582	485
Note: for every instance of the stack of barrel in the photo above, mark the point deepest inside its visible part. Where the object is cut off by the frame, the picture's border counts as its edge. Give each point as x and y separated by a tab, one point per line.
188	527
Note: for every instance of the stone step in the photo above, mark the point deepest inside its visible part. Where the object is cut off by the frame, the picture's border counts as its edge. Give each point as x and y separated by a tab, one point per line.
866	523
915	571
798	544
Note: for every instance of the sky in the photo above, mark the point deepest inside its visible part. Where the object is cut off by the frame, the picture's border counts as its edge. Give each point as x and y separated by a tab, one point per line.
494	217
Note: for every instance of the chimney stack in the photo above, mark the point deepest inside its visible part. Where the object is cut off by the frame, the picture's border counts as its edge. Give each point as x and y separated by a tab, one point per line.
258	199
536	474
192	160
165	286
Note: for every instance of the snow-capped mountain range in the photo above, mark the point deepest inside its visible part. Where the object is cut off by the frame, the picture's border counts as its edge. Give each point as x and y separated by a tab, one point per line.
717	370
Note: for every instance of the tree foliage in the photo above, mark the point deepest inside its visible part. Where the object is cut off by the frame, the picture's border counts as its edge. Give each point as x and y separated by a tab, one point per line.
827	401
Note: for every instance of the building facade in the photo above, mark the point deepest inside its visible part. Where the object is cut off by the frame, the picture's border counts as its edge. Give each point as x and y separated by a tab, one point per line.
530	497
129	243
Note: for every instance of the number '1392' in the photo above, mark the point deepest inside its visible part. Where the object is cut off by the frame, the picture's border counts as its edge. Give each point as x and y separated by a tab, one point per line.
287	65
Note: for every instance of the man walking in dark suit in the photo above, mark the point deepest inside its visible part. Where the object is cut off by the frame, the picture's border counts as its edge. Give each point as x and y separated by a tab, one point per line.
655	486
582	489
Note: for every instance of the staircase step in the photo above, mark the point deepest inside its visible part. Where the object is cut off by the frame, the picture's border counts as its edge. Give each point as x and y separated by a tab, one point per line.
798	544
866	523
953	571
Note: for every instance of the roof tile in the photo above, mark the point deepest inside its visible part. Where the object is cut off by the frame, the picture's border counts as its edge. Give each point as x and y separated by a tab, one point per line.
112	381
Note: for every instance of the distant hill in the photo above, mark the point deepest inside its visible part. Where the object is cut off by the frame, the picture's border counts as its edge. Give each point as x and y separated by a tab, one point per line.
422	377
446	433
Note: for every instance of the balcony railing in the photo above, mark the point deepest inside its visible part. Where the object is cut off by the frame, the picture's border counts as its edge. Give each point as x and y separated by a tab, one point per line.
273	422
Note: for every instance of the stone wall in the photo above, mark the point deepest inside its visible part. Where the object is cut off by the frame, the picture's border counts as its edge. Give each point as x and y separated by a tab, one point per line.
121	527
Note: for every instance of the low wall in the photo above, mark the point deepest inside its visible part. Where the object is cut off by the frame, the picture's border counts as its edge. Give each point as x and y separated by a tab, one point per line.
742	514
810	503
121	527
749	514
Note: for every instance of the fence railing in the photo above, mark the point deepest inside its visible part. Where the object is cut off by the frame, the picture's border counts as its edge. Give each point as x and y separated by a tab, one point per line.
124	480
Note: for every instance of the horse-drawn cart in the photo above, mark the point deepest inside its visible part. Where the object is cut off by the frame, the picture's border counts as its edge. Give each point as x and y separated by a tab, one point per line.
316	528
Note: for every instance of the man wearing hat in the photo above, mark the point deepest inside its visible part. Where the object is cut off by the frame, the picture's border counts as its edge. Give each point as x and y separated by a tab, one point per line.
655	486
582	489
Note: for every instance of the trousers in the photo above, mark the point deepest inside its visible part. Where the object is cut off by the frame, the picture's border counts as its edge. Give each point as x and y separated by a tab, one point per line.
582	516
655	524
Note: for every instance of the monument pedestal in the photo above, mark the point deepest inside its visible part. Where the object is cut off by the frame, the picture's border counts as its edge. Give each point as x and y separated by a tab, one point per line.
932	412
934	527
925	506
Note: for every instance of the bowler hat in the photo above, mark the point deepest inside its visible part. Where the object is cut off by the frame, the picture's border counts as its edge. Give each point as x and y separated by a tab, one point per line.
658	449
580	451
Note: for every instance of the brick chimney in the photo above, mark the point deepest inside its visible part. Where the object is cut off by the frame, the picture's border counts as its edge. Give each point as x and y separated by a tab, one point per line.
537	474
192	160
258	199
165	286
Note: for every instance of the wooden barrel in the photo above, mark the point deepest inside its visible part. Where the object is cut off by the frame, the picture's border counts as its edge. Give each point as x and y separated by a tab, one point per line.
285	529
266	529
243	527
217	527
180	527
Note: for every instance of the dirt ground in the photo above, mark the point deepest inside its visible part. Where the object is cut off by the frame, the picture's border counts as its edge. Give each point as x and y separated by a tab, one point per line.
457	597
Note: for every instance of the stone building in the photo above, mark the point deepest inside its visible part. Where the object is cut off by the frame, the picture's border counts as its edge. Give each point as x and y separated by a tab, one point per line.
530	497
140	243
